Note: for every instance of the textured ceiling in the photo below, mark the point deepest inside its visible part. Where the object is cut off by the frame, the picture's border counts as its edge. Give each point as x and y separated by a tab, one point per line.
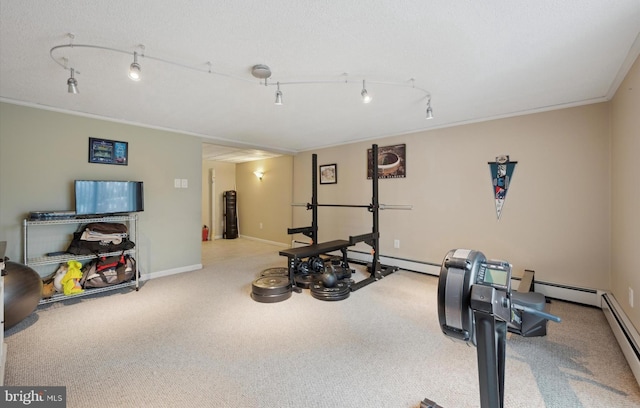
478	60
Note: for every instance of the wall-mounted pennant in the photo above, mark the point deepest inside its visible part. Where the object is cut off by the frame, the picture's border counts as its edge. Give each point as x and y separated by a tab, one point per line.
501	176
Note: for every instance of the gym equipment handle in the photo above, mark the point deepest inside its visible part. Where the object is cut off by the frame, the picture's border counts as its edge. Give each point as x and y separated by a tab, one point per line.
538	313
395	207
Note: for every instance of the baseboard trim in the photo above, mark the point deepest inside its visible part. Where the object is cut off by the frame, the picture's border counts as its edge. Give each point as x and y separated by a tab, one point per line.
281	244
624	331
552	290
573	294
169	272
405	264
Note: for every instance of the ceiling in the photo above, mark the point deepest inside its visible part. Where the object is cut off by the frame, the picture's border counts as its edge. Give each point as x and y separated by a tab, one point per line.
234	154
476	60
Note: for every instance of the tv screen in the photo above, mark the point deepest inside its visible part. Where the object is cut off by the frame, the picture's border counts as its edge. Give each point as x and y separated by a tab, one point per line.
97	197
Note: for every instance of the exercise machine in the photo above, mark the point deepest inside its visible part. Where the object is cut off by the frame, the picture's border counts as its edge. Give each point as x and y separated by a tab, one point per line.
475	305
295	255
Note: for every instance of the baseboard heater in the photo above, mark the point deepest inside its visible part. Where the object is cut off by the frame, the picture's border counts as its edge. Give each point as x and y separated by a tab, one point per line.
627	336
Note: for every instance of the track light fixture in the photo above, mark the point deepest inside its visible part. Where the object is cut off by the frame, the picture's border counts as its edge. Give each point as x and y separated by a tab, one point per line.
72	84
429	110
278	95
366	98
259	71
134	68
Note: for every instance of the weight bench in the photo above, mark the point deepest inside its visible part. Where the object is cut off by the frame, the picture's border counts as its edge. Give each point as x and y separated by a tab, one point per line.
294	255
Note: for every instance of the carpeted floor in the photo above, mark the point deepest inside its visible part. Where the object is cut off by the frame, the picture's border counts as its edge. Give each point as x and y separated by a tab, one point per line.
197	339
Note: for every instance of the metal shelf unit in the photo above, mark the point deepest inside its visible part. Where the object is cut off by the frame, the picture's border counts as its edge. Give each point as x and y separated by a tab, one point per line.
42	260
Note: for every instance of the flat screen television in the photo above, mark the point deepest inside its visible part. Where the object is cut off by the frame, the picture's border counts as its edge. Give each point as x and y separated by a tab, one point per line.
100	197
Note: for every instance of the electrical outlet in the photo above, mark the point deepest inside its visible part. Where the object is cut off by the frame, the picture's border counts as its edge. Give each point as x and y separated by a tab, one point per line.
396	243
184	183
260	225
630	296
176	183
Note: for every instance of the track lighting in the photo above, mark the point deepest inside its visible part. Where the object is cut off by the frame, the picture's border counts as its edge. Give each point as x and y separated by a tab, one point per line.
259	71
366	98
72	84
134	68
278	95
429	110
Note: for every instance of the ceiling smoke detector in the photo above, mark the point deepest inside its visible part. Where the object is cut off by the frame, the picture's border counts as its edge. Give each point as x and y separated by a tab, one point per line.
261	71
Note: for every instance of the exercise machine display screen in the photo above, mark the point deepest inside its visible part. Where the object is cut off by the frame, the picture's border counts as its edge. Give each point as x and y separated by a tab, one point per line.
495	275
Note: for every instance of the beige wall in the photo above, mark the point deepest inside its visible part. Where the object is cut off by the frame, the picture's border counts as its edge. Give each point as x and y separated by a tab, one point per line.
555	219
571	211
625	197
225	180
265	202
42	152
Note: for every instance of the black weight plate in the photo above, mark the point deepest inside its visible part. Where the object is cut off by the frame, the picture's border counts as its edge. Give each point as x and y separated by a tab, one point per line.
340	291
271	285
334	297
271	298
304	281
277	271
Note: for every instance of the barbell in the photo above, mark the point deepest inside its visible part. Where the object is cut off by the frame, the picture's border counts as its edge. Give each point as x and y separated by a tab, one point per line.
369	206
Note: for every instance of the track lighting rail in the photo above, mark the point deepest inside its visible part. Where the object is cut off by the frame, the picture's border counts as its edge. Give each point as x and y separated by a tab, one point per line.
207	70
259	71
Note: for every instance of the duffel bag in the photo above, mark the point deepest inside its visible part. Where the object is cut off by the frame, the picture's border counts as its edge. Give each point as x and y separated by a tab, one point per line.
107	271
79	246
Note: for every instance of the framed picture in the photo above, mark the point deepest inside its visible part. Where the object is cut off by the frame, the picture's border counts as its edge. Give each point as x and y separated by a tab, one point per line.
329	173
105	151
392	162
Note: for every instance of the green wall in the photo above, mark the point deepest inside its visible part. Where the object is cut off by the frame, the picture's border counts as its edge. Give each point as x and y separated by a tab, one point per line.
42	152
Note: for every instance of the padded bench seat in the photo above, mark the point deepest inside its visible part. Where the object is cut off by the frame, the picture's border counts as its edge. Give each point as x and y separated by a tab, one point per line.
315	249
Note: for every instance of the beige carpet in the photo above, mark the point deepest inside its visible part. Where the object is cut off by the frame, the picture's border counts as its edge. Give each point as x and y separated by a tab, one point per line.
198	340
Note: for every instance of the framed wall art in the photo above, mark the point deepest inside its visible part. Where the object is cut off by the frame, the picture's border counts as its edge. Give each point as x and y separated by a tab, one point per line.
392	162
105	151
329	174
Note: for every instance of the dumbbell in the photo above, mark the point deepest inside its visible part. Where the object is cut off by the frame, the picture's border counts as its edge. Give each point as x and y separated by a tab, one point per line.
302	268
316	264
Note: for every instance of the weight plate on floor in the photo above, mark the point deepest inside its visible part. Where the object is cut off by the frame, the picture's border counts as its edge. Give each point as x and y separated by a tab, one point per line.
271	298
340	291
304	281
277	271
271	285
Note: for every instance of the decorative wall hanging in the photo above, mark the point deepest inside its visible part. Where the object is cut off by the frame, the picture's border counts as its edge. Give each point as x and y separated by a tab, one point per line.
392	162
108	151
501	175
329	174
